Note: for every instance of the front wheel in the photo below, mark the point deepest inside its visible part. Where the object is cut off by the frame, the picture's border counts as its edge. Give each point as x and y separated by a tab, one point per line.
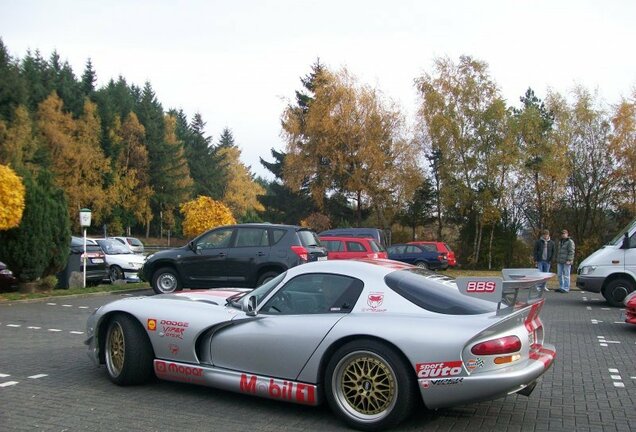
128	352
166	281
115	273
369	385
617	290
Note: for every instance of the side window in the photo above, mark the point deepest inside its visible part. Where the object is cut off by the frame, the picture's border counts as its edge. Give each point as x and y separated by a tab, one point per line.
355	247
316	293
215	239
332	245
252	237
413	249
277	234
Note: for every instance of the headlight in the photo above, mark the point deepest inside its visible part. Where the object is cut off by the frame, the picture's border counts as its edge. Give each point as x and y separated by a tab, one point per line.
149	256
586	270
6	272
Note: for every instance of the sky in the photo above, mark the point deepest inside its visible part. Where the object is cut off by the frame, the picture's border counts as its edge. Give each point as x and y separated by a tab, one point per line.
239	62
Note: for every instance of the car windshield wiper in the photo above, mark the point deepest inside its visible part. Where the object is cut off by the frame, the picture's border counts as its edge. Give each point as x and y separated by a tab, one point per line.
231	300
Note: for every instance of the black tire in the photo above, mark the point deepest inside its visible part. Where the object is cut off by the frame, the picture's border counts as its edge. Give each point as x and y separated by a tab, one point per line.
129	355
422	264
166	281
115	273
386	376
617	290
266	277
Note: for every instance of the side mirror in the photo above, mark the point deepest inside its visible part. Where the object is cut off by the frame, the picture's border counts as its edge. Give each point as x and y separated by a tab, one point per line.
626	241
251	306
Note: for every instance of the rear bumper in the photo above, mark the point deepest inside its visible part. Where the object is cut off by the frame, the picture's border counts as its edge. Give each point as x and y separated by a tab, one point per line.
475	387
590	284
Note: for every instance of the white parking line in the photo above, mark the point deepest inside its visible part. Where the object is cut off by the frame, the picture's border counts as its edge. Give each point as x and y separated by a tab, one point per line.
52	304
589	308
619	384
8	383
34	328
601	337
14	325
616	377
37	376
605	309
603	344
54	330
67	305
595	321
76	332
613	370
83	307
4	375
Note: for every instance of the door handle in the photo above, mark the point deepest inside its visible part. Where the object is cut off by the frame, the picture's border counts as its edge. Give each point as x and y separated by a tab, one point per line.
221	254
260	253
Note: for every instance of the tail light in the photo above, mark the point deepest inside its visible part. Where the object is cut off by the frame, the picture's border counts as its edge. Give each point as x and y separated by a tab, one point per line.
372	255
502	345
302	253
441	257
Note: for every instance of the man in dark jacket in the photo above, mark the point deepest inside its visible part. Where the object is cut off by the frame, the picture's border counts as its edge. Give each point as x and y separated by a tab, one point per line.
565	256
543	253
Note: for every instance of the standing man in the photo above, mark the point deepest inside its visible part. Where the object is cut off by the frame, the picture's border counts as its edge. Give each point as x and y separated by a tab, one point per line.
565	256
543	254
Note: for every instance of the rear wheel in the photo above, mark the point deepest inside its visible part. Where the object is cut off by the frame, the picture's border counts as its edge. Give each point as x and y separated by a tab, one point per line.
166	281
266	277
422	264
369	386
617	290
128	353
115	273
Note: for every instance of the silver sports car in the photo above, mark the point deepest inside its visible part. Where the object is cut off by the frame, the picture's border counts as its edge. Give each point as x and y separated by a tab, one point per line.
373	338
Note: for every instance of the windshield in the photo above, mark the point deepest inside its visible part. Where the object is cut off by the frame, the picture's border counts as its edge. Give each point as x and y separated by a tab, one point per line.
113	247
619	237
308	238
260	292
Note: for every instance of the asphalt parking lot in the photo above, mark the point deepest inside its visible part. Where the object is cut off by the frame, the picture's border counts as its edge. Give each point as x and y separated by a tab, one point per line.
47	382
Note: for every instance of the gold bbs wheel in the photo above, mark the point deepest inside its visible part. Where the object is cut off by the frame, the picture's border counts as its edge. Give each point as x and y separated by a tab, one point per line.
370	385
115	349
365	385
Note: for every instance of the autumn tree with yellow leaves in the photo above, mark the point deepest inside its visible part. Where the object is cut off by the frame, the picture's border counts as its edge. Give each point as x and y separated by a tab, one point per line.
204	213
76	158
346	138
241	192
12	198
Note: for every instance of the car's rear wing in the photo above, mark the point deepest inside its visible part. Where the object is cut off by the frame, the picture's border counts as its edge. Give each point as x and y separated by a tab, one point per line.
506	290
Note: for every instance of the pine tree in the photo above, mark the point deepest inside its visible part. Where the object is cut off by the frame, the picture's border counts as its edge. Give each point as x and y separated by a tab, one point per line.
89	77
45	222
13	92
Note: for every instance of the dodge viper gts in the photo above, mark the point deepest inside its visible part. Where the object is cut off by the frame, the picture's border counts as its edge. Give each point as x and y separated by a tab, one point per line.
373	338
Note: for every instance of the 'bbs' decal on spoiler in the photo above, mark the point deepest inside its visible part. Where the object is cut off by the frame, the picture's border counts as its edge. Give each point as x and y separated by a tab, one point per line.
487	288
506	289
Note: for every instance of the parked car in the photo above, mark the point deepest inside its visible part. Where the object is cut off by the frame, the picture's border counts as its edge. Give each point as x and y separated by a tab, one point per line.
442	248
122	263
611	270
630	308
375	233
376	339
425	256
96	269
352	247
245	255
8	282
133	243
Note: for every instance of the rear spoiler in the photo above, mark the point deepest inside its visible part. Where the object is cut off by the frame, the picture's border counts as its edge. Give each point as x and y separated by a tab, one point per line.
506	289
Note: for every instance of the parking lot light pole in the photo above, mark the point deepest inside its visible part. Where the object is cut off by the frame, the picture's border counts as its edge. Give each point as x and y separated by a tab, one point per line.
85	221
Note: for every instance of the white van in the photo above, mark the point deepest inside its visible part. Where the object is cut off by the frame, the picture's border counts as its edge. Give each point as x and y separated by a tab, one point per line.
611	270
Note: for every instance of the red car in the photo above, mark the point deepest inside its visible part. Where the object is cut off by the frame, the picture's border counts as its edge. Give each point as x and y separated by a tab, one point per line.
630	308
352	247
442	248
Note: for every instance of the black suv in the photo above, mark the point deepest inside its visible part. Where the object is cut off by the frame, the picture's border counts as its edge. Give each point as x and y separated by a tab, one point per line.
245	255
